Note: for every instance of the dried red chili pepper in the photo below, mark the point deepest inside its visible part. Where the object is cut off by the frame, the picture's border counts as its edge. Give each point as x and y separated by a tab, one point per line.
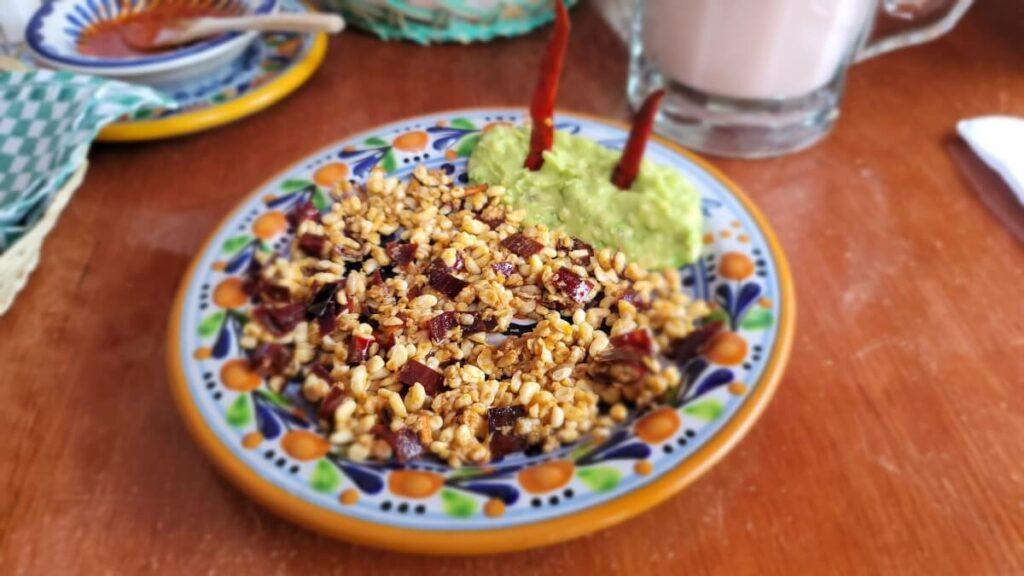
413	372
629	164
358	349
542	106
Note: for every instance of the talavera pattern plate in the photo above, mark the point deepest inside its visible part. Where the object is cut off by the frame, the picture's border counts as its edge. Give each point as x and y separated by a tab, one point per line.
270	445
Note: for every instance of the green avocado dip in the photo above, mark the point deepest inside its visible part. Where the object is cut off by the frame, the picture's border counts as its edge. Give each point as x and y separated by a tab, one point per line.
657	222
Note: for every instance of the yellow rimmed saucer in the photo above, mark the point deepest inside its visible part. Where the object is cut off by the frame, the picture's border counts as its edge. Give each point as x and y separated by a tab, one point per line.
275	65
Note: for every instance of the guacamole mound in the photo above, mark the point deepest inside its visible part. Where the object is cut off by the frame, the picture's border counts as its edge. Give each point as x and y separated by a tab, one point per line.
657	222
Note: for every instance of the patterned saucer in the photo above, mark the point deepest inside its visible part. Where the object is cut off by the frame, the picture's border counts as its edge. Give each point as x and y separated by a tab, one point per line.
273	66
271	447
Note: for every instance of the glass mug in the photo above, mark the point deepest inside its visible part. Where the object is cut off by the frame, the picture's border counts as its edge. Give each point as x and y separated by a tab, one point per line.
759	78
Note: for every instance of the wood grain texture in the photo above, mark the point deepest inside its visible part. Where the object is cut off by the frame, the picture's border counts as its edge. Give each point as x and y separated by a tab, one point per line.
895	444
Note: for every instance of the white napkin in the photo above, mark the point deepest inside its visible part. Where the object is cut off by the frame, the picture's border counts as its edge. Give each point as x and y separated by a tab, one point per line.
999	142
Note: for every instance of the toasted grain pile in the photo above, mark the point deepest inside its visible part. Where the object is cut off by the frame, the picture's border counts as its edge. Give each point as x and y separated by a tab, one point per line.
425	316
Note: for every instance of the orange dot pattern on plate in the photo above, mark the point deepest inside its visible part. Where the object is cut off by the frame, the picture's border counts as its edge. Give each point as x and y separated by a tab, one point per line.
737	388
709	238
411	141
494	508
304	445
269	225
725	234
736	266
495	124
349	497
230	293
202	353
658	426
330	175
765	302
414	483
727	349
252	440
236	375
643	467
547	476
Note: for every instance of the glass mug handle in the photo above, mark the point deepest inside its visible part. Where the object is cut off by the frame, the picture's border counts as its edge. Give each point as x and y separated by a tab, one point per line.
915	35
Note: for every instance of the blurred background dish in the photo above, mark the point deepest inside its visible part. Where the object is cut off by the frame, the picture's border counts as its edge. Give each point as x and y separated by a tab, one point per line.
426	21
269	69
71	35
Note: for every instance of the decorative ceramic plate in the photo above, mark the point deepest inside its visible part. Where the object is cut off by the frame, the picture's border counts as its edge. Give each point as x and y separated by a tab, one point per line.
273	66
270	445
54	31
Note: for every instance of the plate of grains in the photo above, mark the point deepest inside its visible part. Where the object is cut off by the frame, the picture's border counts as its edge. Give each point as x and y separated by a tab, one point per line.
380	349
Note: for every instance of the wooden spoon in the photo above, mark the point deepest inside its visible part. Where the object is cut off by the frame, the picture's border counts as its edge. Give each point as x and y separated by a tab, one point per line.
150	35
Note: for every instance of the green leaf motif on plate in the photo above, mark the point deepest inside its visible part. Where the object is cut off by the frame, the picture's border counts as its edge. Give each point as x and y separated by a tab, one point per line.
457	504
388	163
320	200
709	409
716	315
293	184
325	477
376	142
463	124
211	324
757	319
467	145
600	478
235	243
240	412
274	398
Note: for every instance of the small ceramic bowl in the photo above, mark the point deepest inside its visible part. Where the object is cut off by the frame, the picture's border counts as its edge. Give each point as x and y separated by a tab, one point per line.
53	32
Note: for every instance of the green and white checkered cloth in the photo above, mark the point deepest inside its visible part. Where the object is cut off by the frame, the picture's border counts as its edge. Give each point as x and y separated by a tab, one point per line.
47	122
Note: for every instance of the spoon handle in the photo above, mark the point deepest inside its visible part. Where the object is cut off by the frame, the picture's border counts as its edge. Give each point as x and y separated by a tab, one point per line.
209	26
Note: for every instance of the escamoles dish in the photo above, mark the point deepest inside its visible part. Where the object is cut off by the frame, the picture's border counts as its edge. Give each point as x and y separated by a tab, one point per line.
427	319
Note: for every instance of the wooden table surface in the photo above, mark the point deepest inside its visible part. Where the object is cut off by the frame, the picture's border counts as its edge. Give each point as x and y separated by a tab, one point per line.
894	445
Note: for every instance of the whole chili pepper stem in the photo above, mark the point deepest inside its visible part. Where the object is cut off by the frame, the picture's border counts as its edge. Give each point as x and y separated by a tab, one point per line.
542	106
629	164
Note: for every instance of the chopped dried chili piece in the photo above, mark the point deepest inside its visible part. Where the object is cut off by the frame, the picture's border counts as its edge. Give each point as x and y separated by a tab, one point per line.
634	298
375	279
629	164
542	106
624	365
444	282
321	370
405	444
280	320
440	325
330	403
639	340
414	372
522	245
401	253
304	210
480	324
502	444
324	308
358	349
506	269
693	344
504	417
578	244
312	244
572	285
270	359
